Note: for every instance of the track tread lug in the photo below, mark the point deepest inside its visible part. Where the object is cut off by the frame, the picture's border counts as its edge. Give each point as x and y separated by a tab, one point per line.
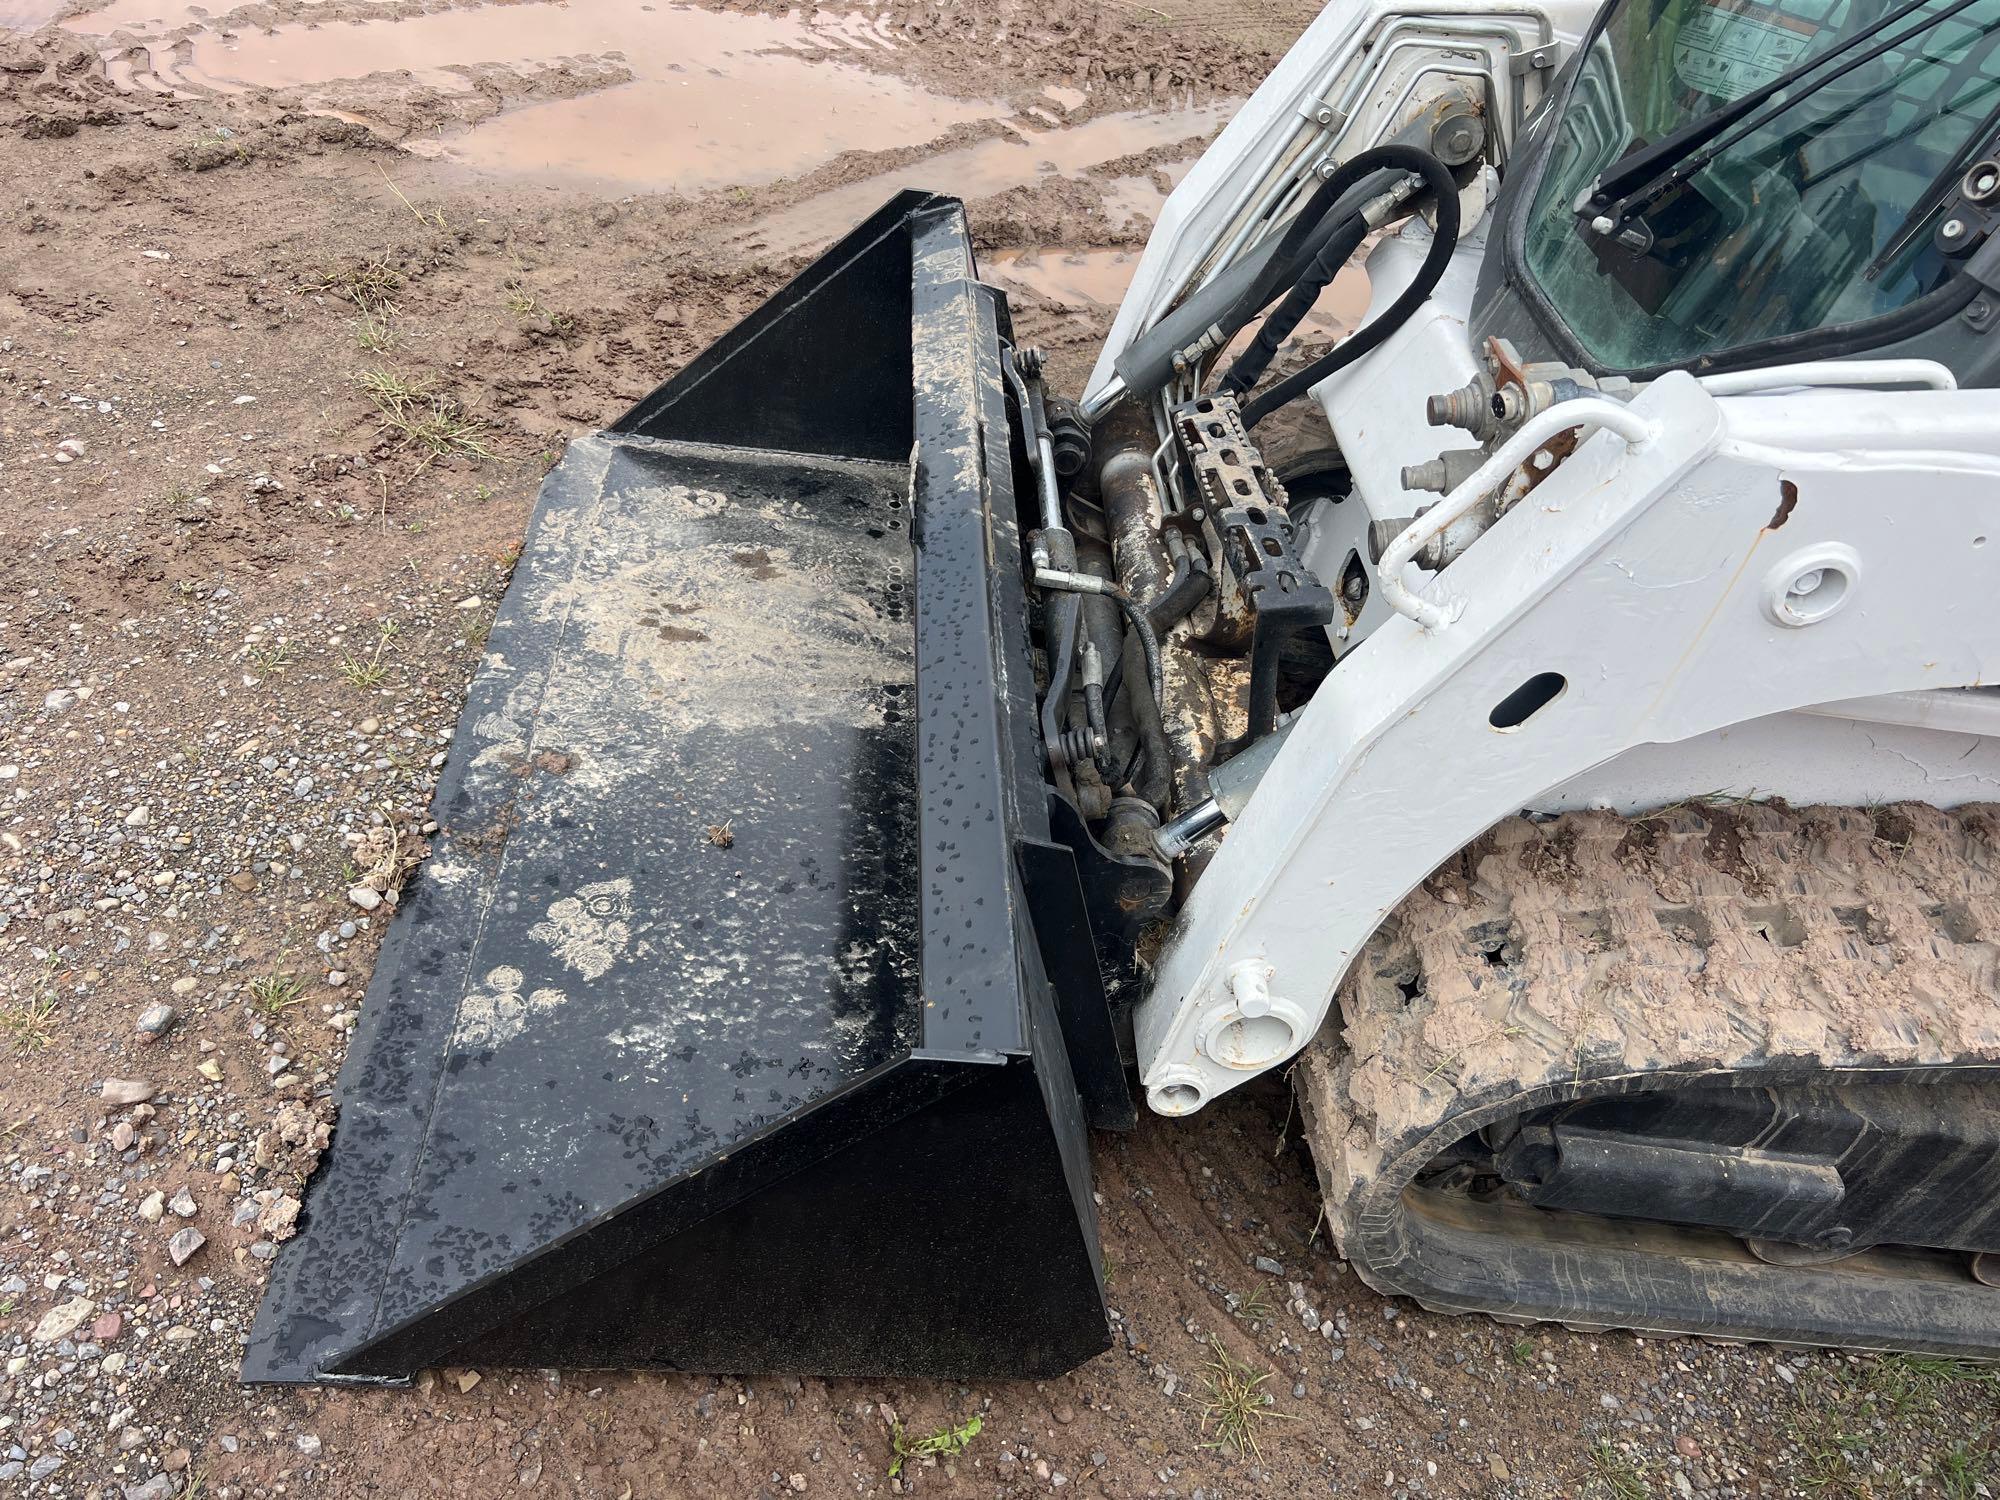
1596	951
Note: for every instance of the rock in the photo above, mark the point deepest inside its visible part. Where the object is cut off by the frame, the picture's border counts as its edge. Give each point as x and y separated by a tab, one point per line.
152	1206
365	896
159	1487
1268	1266
107	1327
604	216
307	1444
184	1244
44	1466
123	1135
243	881
210	1069
1687	1447
127	1091
670	314
183	1204
467	1379
60	1321
1497	1467
155	1021
177	1460
280	1218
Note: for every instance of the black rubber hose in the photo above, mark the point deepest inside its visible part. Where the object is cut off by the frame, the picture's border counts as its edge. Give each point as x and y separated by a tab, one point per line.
1188	587
1280	322
1149	643
1375	330
1293	249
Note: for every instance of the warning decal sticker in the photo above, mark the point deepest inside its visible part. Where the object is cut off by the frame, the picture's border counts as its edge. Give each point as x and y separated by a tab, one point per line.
1727	51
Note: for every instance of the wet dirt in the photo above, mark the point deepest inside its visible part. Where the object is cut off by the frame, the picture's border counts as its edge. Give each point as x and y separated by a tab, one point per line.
699	99
26	15
1016	159
1096	280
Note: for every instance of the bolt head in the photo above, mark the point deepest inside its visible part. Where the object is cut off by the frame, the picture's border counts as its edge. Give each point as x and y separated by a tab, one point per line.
1952	228
1809	581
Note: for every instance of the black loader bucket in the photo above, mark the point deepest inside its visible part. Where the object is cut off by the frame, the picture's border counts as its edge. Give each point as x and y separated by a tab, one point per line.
718	1032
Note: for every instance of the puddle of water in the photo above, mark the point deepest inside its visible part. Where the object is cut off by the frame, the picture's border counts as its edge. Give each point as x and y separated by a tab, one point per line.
983	168
718	98
1129	198
1088	278
709	131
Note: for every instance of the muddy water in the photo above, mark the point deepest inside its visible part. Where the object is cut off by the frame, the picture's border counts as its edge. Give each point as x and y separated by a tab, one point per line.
991	166
1067	278
714	100
718	99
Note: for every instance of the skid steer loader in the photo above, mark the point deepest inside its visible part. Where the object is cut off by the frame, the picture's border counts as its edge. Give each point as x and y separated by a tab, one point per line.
1550	725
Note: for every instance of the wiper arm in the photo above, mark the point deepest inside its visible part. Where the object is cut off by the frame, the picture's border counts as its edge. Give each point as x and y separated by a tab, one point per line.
1641	176
1934	196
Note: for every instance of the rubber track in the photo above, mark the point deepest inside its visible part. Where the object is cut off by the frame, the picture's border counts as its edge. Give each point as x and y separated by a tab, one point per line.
1704	945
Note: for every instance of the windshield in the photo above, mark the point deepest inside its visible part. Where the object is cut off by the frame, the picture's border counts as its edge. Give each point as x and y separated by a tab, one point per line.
1801	221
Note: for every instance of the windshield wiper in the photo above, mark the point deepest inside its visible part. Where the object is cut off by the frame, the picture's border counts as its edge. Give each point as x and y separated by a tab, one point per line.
1949	182
1640	177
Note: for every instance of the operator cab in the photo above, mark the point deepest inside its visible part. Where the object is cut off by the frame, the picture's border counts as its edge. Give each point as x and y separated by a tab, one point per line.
1723	184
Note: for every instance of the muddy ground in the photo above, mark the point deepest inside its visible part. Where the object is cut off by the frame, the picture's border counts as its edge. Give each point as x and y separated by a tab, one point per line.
297	304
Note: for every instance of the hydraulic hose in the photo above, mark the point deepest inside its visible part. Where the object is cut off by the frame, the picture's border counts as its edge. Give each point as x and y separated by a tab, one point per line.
1279	323
1188	587
1439	179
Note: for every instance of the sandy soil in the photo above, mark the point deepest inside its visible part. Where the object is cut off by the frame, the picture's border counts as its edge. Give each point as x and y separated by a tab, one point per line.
280	369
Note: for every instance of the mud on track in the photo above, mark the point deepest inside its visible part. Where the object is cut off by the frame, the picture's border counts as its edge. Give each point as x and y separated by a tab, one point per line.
298	300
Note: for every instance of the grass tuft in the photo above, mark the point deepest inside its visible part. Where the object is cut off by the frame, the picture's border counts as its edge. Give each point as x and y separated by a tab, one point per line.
526	307
1234	1403
1617	1477
946	1442
365	283
422	416
30	1025
1254	1306
271	658
369	672
374	334
276	992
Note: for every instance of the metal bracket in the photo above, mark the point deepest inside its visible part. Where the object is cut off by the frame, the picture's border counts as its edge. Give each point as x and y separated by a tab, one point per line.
1543	59
1324	113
